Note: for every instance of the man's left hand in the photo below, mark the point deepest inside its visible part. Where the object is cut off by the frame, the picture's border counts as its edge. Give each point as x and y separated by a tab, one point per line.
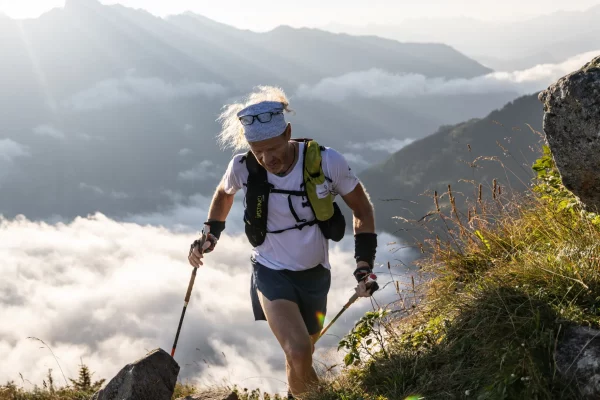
367	280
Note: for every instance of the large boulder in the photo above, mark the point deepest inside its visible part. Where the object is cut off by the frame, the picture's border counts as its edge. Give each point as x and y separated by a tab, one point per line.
572	127
216	394
578	360
152	377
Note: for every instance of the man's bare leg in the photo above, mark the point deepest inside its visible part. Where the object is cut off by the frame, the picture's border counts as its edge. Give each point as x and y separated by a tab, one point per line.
286	323
313	339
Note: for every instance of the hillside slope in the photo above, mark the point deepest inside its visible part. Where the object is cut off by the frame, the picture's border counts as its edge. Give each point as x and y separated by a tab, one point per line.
444	158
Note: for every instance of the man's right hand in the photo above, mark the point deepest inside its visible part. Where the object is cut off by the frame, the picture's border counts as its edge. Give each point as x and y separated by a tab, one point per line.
195	256
205	244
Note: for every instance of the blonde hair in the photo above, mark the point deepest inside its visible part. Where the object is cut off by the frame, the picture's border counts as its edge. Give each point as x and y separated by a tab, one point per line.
232	131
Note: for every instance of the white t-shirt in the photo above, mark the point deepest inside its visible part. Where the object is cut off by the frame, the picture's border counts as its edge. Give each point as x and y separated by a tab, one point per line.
293	249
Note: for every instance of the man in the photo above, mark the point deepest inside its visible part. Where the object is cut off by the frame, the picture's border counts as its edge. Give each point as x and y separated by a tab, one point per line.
289	216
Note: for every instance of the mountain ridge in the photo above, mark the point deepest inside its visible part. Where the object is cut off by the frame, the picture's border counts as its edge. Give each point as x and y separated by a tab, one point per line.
145	92
509	45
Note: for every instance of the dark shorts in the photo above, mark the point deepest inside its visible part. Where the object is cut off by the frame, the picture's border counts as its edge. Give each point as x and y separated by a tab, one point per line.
308	289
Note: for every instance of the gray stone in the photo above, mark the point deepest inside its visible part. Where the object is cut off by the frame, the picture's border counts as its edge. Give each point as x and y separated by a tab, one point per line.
150	378
572	127
216	394
578	360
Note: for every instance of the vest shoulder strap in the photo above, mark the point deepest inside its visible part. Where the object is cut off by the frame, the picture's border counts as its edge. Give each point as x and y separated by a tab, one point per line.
256	201
254	168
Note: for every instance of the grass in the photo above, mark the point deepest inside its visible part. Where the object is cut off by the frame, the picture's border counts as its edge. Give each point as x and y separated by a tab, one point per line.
509	277
11	391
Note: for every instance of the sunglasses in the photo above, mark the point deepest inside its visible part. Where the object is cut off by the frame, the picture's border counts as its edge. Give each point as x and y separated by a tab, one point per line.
262	117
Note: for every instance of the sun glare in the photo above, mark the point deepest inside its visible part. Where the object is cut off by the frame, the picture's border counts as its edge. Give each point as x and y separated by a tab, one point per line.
21	9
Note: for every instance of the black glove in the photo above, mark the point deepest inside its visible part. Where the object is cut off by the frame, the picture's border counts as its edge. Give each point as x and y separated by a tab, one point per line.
365	273
206	236
212	239
372	287
360	273
211	233
197	243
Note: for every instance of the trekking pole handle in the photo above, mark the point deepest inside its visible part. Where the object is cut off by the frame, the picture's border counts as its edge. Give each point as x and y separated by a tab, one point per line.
198	243
371	278
371	283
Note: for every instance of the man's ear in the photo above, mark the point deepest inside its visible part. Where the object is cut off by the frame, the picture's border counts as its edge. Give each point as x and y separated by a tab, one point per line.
288	131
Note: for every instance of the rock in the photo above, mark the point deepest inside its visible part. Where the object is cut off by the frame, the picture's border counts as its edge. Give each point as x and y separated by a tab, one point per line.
152	377
212	395
572	127
578	360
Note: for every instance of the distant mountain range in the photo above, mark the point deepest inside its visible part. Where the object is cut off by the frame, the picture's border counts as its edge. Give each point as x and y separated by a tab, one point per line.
503	46
404	184
106	108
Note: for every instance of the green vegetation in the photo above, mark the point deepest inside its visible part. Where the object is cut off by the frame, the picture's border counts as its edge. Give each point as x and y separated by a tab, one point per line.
510	276
81	388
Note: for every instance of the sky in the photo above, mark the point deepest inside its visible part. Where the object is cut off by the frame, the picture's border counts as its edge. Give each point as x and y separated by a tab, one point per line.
263	15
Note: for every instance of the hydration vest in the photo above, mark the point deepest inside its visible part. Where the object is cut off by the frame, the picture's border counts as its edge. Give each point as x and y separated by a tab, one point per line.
314	192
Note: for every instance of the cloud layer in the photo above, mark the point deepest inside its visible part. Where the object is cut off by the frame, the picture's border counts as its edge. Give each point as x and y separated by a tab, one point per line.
200	172
108	291
50	131
10	150
101	192
131	90
376	83
390	146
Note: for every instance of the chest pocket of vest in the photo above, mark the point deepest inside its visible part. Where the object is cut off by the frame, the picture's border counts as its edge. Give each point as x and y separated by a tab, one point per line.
335	227
316	184
318	189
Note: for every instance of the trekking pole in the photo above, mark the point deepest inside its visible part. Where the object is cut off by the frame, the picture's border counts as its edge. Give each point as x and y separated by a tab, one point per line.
200	243
347	305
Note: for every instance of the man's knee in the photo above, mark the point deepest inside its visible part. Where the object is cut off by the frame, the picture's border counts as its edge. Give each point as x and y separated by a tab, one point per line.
298	354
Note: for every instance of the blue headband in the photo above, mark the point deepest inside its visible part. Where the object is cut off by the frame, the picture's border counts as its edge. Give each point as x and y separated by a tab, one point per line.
264	130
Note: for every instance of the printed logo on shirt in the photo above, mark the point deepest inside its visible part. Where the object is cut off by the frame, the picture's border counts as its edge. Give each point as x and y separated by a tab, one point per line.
323	190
